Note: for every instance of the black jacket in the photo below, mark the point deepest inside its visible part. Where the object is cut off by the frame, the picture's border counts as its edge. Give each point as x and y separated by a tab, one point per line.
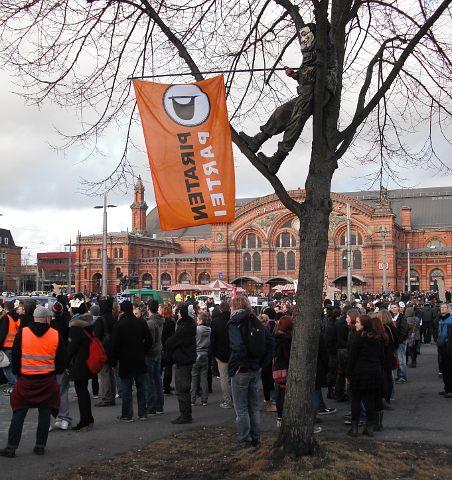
219	336
131	341
402	327
39	329
331	336
341	333
78	346
181	346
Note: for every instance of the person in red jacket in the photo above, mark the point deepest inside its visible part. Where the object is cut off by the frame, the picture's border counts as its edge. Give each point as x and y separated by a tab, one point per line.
38	355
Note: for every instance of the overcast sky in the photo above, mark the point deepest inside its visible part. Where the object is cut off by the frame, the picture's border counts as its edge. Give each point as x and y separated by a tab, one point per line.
41	199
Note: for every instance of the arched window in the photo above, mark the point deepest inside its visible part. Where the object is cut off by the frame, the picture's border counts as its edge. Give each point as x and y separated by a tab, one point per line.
204	249
184	278
165	279
414	280
115	253
357	260
251	241
88	254
99	253
356	239
121	255
84	255
246	262
118	272
256	262
291	261
436	278
286	240
147	280
434	243
204	278
280	261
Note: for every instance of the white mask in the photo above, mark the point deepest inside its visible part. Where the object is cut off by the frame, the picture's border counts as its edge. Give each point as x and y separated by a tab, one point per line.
306	37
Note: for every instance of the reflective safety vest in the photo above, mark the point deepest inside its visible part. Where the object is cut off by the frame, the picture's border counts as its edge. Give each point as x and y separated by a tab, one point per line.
38	353
13	328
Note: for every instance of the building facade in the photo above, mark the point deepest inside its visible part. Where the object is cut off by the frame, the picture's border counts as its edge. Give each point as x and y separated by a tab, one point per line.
391	232
54	267
10	262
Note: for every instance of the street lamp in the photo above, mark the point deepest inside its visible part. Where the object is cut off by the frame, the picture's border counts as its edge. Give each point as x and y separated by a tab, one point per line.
104	245
383	234
69	282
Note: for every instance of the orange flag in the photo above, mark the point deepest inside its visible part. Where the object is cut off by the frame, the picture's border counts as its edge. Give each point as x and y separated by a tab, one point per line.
189	145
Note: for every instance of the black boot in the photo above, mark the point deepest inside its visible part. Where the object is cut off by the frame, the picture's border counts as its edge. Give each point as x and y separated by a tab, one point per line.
379	422
369	430
8	452
254	143
274	162
353	432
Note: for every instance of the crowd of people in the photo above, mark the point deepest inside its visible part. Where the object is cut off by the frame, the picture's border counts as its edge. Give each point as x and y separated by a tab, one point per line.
366	346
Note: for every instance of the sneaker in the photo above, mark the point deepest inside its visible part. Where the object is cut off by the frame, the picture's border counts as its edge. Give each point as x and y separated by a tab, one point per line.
39	450
400	380
317	430
96	396
159	412
269	407
124	419
204	404
225	405
143	418
326	411
8	391
62	424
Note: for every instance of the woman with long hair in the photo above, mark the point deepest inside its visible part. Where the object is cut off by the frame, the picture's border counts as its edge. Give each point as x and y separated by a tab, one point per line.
365	373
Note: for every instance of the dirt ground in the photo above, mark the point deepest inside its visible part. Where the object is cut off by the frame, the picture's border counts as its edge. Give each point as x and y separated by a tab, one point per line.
206	454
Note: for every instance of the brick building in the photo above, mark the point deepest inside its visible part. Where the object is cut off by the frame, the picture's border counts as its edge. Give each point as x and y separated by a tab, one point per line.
53	267
260	248
10	262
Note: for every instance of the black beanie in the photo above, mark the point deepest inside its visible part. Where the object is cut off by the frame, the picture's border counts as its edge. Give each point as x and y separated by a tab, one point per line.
126	306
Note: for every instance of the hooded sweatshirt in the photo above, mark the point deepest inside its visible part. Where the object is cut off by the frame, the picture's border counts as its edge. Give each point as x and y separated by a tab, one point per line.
202	340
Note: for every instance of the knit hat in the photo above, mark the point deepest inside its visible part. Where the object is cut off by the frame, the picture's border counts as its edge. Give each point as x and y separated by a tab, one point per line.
42	312
126	306
57	307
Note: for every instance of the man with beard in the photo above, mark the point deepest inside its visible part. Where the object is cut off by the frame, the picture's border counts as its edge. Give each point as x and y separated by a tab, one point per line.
291	117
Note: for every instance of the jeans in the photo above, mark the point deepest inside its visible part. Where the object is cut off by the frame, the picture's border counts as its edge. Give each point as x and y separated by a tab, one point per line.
63	412
182	379
246	404
199	373
401	372
154	387
127	401
224	381
17	423
8	370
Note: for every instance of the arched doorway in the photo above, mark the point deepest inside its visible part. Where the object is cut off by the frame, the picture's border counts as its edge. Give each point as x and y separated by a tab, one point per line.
204	278
165	281
357	283
414	280
437	282
146	280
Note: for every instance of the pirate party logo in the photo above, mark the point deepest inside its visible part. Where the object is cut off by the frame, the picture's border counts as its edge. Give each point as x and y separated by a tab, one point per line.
186	105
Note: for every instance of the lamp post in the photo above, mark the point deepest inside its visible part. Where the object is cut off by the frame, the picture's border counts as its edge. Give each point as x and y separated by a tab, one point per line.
69	282
349	255
409	269
104	245
384	233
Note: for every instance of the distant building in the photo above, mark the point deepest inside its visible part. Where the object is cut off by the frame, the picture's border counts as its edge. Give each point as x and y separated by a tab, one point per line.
260	249
10	263
53	267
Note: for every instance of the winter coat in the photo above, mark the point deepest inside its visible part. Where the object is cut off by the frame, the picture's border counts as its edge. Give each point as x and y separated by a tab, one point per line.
131	341
239	357
219	336
78	346
155	324
181	346
414	324
202	340
390	348
322	364
402	327
365	363
331	336
341	333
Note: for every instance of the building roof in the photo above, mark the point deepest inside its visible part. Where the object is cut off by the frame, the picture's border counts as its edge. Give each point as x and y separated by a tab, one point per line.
430	208
4	233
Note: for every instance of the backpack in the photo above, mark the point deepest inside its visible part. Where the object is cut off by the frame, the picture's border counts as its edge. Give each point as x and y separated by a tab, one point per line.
253	334
97	357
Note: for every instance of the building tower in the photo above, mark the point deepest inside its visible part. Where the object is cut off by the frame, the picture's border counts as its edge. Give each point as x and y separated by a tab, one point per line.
139	208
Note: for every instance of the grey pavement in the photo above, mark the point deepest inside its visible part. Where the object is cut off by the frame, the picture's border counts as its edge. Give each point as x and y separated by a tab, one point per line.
419	415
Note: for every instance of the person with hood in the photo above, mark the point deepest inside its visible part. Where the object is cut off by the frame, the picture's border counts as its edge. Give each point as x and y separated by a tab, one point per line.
244	370
9	327
130	343
80	332
38	355
200	367
154	387
103	328
219	344
182	348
